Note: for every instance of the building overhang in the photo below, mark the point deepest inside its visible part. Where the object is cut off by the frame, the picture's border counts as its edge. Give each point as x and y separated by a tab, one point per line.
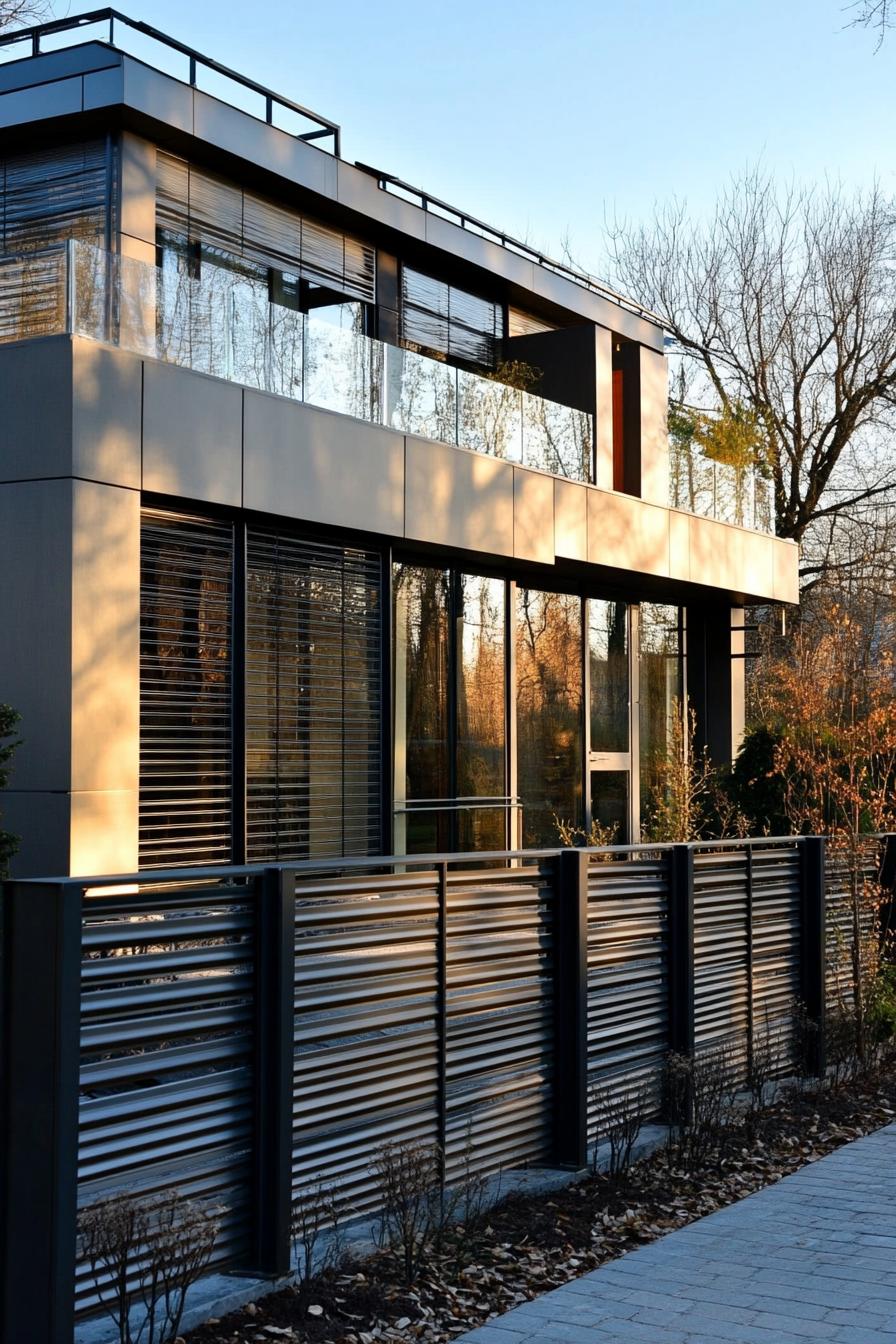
77	408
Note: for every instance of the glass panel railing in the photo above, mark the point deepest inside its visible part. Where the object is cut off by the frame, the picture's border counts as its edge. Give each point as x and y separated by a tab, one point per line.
718	490
343	371
489	416
33	295
556	438
419	395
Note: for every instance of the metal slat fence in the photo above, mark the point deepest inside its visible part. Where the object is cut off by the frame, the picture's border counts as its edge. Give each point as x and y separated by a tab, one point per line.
242	1034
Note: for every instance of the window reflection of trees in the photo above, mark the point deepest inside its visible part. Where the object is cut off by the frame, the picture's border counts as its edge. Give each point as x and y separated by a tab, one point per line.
549	711
660	676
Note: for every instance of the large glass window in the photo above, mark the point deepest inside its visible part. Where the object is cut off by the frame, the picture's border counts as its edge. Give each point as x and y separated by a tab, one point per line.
549	670
421	597
450	715
608	665
661	690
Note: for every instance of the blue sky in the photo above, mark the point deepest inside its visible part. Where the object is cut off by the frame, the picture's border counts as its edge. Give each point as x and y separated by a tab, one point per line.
542	117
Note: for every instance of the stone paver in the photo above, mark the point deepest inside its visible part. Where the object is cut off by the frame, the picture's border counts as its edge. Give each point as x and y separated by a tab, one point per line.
810	1258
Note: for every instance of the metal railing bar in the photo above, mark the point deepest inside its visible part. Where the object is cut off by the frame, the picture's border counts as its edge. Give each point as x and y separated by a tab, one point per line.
196	58
465	221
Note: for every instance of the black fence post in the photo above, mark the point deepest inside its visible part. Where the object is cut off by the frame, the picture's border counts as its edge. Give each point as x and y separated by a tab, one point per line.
682	1036
571	1009
41	1019
812	950
275	960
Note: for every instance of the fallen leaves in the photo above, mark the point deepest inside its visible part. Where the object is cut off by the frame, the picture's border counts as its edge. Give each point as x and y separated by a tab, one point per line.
531	1244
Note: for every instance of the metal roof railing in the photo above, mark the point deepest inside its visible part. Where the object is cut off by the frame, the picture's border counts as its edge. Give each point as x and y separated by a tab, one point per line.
426	201
321	127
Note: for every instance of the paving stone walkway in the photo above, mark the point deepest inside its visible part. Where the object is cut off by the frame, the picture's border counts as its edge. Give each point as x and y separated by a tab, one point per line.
810	1258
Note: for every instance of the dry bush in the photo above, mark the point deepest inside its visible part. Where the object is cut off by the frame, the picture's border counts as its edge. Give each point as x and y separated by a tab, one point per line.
146	1251
412	1207
620	1115
315	1214
700	1099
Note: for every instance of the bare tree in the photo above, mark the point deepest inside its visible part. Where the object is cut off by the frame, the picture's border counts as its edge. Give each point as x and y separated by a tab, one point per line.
783	306
16	13
874	14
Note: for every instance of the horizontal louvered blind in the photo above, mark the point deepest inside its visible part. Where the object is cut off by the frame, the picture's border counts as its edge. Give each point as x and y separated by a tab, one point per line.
50	195
442	317
194	204
520	323
313	699
185	691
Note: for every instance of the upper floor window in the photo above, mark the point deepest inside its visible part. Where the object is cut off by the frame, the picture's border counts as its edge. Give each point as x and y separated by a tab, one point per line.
50	195
311	265
438	318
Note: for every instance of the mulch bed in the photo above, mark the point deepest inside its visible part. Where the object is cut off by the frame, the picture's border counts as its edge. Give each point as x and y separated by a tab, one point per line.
529	1244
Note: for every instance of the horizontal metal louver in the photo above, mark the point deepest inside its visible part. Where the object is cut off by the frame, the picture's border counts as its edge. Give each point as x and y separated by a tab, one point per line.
167	1055
520	323
628	978
442	317
185	691
193	204
313	699
50	195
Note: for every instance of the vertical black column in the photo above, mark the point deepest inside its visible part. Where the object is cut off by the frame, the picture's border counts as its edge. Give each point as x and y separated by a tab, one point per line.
275	971
812	950
681	950
571	1009
442	1017
41	985
238	651
712	680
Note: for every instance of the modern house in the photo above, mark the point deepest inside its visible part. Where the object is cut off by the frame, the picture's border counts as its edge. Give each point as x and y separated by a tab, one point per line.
332	520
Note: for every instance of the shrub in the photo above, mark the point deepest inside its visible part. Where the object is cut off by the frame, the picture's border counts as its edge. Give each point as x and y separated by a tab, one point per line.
315	1214
146	1251
620	1115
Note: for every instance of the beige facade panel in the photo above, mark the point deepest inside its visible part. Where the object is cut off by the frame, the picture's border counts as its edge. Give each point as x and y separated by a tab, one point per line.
104	832
570	520
192	435
603	424
625	533
458	498
533	516
305	463
264	146
717	553
654	382
786	572
105	637
138	189
157	95
679	545
107	388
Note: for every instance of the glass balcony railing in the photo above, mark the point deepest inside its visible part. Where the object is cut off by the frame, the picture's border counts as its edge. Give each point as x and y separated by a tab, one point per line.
222	323
718	490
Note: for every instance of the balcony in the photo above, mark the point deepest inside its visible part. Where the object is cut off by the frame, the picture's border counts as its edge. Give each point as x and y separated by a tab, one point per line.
701	485
224	324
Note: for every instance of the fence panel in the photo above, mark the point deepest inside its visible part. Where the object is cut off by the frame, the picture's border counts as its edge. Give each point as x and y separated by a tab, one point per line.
167	1040
842	907
628	975
776	928
499	1038
366	1026
721	952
